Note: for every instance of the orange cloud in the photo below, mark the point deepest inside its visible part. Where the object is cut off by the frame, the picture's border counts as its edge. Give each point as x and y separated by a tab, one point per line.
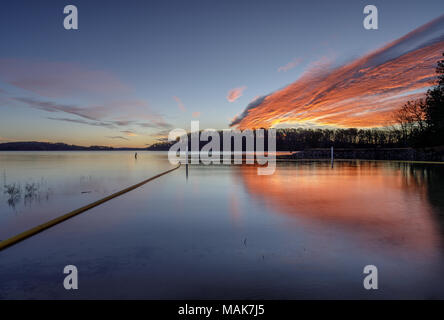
196	114
235	93
362	93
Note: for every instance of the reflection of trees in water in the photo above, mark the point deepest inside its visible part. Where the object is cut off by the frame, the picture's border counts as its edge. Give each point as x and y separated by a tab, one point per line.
435	192
385	202
435	186
429	178
414	176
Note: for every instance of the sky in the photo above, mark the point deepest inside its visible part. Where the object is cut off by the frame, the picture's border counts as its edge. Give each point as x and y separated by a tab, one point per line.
134	70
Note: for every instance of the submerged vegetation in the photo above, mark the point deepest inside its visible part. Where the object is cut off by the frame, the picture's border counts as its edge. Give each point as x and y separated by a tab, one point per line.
14	193
30	192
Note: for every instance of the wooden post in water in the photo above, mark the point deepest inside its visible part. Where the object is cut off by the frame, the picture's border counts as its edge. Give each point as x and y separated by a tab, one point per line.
186	161
332	157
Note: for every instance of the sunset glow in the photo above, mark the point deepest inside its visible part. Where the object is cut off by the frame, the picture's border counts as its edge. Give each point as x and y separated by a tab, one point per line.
362	93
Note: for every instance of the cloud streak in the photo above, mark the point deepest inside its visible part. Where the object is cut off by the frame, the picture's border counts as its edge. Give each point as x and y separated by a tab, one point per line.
85	122
50	87
117	137
292	64
362	93
91	113
130	133
235	93
180	104
99	116
59	79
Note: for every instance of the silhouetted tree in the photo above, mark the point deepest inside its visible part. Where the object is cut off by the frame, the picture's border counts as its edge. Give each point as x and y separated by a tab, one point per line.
435	107
411	119
421	123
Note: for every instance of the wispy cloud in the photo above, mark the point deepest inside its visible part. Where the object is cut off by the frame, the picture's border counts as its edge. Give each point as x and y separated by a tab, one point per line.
196	114
114	124
100	116
53	86
91	113
161	135
117	137
235	93
81	121
129	133
122	122
155	124
292	64
361	93
59	79
180	104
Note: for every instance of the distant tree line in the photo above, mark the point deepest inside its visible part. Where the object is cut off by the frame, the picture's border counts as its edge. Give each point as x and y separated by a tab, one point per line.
300	139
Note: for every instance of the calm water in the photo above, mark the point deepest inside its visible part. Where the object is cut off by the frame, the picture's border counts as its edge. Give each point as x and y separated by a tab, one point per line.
305	232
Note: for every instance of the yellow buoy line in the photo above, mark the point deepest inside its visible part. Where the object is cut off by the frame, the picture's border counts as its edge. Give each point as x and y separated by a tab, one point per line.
33	231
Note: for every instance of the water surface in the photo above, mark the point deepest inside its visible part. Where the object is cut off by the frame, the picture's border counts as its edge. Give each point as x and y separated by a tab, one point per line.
305	232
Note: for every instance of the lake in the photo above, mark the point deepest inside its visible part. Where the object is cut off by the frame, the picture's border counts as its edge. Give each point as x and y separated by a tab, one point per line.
305	232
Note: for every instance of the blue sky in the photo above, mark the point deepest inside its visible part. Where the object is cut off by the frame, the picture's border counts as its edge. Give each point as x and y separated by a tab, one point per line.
130	59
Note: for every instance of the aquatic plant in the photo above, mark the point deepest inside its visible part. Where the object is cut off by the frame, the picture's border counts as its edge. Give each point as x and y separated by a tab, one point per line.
12	189
14	192
31	190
